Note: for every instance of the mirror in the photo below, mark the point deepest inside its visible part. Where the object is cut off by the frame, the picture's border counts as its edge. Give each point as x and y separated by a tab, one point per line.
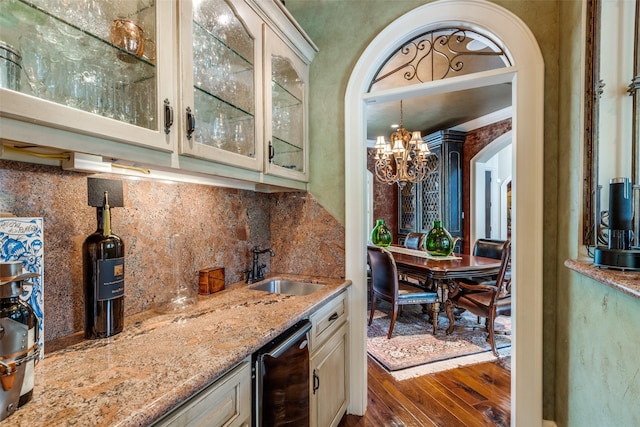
612	108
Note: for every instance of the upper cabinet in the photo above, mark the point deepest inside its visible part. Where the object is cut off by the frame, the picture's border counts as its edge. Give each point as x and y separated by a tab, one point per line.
219	86
286	81
244	89
221	60
93	67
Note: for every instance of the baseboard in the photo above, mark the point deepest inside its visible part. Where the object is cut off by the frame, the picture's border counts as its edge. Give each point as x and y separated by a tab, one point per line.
548	423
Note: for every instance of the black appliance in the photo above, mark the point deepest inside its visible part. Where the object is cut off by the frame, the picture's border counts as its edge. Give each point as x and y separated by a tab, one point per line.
280	373
619	254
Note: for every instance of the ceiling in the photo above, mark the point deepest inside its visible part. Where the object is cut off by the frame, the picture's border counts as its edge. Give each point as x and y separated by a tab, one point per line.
437	112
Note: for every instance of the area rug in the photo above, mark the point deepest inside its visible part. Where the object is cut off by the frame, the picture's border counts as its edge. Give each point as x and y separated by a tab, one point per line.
413	350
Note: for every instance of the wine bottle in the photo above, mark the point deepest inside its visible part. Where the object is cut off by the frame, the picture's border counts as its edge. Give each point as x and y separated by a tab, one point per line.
103	278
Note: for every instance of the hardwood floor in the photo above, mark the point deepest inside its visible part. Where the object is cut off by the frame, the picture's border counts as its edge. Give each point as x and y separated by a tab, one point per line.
476	395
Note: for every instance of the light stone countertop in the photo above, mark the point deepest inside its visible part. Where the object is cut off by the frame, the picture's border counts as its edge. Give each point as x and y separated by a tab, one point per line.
159	360
627	282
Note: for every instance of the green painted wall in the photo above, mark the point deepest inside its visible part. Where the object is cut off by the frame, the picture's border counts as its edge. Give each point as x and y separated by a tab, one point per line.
597	347
342	29
591	338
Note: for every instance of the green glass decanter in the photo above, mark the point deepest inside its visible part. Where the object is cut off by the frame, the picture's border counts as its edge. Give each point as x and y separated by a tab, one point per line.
439	242
381	235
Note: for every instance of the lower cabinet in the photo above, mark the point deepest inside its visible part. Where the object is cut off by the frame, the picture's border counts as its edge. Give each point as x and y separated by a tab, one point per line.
328	363
227	402
329	385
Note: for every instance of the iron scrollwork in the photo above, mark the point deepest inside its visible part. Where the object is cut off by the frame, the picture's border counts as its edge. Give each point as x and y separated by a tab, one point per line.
440	51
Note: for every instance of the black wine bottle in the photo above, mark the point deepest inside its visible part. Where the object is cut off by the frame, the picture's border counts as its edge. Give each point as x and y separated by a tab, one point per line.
103	273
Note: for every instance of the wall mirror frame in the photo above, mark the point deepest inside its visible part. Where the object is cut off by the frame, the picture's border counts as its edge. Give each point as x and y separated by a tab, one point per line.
596	166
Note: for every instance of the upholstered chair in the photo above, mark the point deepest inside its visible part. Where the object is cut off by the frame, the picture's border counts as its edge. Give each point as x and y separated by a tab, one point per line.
386	285
414	240
488	299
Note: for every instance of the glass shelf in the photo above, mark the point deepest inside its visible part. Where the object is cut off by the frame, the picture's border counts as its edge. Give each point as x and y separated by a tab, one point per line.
64	63
287	121
218	68
223	125
223	79
287	155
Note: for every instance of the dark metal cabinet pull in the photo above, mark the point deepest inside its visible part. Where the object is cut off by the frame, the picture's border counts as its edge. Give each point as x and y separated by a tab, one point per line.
316	382
333	317
272	152
168	116
191	123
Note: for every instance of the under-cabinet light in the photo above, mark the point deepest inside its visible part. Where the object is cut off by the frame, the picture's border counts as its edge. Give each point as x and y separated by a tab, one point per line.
81	162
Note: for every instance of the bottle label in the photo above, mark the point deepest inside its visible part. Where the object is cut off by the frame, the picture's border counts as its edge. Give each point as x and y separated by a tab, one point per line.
110	279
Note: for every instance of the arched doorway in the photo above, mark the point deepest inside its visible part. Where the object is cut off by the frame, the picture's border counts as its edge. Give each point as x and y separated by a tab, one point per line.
495	157
527	77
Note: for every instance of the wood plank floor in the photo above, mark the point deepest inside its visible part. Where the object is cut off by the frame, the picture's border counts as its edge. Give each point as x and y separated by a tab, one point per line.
476	395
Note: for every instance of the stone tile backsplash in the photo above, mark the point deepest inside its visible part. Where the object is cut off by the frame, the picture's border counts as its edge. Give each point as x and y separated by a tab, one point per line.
217	227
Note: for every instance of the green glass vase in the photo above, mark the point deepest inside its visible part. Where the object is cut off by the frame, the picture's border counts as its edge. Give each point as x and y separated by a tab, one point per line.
439	242
381	235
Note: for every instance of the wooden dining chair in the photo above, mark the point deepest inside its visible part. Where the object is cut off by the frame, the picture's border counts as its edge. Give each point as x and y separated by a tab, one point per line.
414	240
487	248
386	285
488	299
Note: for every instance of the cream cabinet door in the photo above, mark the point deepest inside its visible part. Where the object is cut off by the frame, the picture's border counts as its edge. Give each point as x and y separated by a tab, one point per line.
221	62
329	384
286	123
227	402
99	68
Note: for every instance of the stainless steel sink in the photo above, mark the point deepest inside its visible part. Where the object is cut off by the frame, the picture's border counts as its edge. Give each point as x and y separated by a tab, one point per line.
289	287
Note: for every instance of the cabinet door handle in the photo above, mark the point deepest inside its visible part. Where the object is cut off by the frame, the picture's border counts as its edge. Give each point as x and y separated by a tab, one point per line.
333	317
168	116
316	382
272	152
191	123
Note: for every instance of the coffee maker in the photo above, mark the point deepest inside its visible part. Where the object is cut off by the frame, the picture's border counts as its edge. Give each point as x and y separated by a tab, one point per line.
19	350
623	251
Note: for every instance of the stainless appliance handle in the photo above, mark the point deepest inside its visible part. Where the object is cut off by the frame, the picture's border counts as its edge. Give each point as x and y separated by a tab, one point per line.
276	352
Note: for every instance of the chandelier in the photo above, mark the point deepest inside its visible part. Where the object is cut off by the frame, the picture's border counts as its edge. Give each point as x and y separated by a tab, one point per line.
404	158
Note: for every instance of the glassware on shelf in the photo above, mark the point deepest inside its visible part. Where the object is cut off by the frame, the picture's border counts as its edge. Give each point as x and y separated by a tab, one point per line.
219	132
223	79
69	59
128	36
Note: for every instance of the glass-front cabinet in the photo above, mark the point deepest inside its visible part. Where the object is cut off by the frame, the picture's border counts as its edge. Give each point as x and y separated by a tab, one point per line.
222	67
286	84
244	90
202	86
89	66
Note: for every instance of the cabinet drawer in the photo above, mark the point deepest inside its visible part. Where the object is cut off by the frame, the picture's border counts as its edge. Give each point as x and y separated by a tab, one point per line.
327	319
227	402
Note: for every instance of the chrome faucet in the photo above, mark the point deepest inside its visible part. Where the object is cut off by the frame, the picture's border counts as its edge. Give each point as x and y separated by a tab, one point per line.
256	272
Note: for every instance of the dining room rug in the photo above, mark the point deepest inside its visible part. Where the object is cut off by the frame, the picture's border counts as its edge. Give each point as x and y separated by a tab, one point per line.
413	350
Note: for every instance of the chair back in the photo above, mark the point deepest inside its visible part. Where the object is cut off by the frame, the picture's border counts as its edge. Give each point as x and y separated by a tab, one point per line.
503	282
414	240
384	273
489	248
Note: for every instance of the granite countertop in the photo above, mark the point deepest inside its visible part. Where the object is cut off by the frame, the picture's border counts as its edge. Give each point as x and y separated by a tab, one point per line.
159	360
627	282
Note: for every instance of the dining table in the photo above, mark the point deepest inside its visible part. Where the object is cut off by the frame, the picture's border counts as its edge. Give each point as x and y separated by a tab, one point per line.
442	271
